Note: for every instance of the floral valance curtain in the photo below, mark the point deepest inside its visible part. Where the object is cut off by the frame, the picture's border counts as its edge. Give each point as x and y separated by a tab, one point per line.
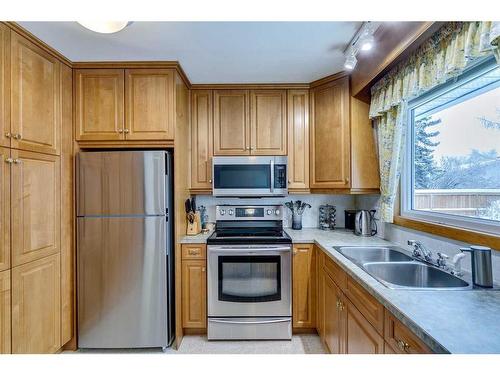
445	55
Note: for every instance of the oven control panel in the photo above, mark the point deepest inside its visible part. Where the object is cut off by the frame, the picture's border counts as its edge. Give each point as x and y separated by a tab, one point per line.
248	213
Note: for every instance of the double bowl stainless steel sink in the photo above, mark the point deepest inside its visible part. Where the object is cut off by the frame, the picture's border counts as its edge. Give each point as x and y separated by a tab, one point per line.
397	270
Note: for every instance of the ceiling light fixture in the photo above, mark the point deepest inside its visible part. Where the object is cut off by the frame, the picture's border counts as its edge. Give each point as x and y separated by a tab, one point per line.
104	27
362	41
350	61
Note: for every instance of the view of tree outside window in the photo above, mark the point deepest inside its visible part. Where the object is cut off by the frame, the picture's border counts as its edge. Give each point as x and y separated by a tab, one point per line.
456	158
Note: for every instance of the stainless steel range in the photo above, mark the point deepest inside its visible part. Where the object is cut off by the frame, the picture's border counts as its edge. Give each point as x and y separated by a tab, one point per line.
249	275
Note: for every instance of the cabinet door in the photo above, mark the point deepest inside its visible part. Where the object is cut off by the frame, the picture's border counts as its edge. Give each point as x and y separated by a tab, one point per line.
99	97
149	104
304	288
35	206
35	97
268	122
4	86
4	209
298	140
330	139
400	339
36	306
231	122
361	337
194	294
332	318
5	312
201	139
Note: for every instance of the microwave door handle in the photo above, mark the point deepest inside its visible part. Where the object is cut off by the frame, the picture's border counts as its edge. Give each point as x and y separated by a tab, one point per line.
272	175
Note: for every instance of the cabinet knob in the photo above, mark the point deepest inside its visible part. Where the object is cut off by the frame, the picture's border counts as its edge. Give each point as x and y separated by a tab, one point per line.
9	160
403	346
17	161
247	148
126	131
8	135
202	269
17	136
120	130
210	181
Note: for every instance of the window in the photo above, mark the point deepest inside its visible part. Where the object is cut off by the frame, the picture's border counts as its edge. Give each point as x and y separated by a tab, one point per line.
451	168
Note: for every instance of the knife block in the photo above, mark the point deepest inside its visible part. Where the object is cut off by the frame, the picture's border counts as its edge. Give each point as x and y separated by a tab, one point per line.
194	228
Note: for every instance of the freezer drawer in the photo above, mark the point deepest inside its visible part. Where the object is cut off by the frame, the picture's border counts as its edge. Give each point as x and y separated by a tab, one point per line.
115	183
122	282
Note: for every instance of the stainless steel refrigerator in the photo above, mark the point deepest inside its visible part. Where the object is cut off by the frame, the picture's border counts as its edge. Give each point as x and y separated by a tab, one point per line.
125	259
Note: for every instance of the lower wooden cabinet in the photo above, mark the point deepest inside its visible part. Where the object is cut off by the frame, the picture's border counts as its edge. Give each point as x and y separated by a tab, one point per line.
332	326
399	339
304	286
342	327
194	286
36	306
361	336
5	312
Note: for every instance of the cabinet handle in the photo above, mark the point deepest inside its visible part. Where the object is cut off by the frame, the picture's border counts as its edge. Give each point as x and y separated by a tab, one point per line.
347	180
247	148
9	160
403	346
202	269
17	136
126	131
17	161
8	135
210	181
194	252
120	130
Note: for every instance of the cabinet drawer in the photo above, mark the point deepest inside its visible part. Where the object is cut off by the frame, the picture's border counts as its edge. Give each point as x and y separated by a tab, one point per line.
336	273
371	309
195	251
400	339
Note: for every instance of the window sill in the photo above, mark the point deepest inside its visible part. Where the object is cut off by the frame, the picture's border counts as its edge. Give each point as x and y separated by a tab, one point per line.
454	233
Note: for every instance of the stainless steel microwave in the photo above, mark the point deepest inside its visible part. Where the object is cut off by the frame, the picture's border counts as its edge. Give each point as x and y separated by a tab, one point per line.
249	176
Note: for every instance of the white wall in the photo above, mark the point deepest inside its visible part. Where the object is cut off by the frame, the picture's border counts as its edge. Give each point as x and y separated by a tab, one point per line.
310	216
400	235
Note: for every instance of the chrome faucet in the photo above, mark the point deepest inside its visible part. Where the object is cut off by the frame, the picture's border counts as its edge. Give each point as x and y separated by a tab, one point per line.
420	251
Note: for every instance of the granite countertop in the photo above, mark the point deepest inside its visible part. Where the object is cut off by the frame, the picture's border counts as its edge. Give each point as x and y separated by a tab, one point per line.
455	321
198	238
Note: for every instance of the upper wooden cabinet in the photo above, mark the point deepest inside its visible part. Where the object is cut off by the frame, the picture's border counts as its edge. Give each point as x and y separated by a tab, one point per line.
231	122
330	135
298	140
201	139
35	97
4	209
5	312
99	96
36	205
268	122
4	85
149	104
36	306
304	286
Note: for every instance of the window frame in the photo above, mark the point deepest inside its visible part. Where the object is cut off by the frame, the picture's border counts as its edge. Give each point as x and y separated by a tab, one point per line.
411	217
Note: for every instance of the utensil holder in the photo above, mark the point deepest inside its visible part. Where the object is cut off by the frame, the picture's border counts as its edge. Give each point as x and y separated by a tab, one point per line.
296	221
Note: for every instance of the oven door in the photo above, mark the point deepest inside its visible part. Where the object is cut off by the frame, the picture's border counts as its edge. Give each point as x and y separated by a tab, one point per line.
243	176
249	281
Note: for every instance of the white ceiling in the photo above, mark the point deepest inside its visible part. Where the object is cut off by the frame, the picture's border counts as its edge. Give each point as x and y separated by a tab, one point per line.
213	52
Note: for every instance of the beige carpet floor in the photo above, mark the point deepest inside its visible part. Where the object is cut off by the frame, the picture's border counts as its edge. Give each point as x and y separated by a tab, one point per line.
300	344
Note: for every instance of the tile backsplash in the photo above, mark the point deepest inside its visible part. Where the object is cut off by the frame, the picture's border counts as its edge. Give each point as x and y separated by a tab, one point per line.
309	218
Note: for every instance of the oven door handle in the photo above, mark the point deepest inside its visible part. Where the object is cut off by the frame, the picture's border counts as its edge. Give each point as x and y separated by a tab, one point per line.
235	249
231	321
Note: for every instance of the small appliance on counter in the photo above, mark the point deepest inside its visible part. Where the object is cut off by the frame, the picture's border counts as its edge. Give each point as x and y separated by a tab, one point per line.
249	279
364	223
350	218
327	217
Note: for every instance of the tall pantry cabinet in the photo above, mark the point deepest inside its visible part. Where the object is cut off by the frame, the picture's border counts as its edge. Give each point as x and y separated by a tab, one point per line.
35	113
